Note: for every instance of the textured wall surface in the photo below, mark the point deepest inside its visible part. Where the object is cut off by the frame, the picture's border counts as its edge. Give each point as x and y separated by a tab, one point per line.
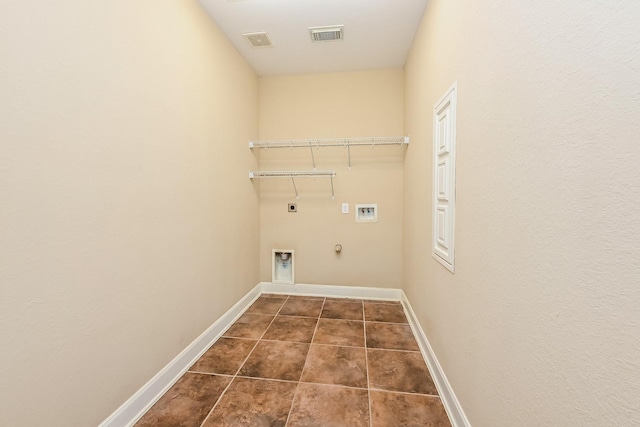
355	104
540	323
127	223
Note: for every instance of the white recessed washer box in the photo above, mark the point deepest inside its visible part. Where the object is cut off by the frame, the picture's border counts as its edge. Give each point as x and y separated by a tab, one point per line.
367	212
283	271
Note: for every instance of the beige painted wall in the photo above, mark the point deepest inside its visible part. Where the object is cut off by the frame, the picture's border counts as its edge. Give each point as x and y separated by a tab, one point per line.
540	323
124	198
355	104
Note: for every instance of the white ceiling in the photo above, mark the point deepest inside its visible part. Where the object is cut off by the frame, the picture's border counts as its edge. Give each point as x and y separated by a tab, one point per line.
377	33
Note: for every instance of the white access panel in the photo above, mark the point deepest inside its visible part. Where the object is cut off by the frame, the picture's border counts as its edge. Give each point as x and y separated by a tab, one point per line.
444	178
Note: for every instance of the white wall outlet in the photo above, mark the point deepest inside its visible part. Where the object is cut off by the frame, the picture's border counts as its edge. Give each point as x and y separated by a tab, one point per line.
345	208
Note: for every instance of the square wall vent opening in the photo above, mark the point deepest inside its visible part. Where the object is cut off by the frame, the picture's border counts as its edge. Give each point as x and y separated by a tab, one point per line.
258	39
326	34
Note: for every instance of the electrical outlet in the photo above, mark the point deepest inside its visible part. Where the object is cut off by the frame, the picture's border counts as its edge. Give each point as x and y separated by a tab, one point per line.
345	208
292	207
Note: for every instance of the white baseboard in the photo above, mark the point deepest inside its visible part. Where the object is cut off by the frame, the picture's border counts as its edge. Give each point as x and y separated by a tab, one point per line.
333	291
148	395
131	411
448	397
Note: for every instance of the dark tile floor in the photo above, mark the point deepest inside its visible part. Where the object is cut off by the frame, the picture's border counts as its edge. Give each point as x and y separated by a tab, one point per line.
305	361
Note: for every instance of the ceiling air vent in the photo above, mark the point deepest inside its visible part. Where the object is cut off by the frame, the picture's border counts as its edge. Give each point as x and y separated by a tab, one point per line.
326	34
258	39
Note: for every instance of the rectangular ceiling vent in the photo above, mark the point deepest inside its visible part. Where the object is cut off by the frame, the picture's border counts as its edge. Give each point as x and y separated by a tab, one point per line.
258	39
326	34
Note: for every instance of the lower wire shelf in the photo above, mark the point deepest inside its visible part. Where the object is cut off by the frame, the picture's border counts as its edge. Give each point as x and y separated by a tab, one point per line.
293	175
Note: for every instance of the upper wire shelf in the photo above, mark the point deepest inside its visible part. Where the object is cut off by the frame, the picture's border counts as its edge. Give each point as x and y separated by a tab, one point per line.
336	142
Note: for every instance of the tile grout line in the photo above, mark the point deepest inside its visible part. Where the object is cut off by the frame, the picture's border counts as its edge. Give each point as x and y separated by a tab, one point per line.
366	359
305	362
213	374
393	349
388	323
406	393
238	338
315	383
315	330
290	315
242	364
331	345
218	401
334	385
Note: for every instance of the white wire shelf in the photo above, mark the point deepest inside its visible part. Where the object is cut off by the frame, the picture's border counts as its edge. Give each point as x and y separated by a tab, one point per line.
289	174
293	175
335	142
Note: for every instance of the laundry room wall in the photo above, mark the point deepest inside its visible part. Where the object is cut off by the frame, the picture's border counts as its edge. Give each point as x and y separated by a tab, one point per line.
339	105
539	324
127	223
